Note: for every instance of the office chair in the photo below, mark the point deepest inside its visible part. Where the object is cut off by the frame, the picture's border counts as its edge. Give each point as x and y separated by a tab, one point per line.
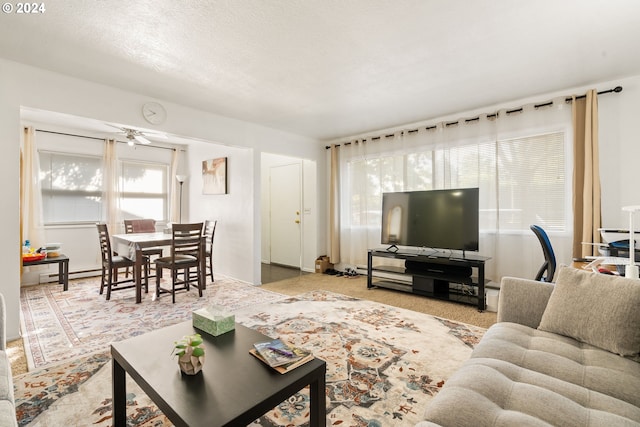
549	264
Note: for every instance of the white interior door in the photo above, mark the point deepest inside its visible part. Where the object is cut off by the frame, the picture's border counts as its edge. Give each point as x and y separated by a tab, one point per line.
286	206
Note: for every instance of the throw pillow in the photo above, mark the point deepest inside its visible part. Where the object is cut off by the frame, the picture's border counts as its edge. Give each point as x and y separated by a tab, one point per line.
597	309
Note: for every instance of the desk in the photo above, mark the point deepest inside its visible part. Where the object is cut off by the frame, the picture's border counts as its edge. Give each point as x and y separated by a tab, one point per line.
233	389
63	268
582	265
136	242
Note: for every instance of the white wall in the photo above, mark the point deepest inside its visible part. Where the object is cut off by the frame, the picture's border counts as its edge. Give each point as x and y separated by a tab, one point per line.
22	85
619	151
233	255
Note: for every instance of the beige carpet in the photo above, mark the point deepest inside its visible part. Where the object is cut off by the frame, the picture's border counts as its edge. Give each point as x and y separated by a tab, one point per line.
357	287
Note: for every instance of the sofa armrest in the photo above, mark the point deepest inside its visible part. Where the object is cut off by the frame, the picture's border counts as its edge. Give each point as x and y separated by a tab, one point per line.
523	301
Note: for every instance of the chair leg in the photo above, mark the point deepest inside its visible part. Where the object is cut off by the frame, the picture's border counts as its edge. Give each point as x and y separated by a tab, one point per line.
158	277
173	285
211	267
102	282
110	282
147	269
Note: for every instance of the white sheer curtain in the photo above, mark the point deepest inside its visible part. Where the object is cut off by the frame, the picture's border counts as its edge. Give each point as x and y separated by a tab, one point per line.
31	221
110	194
518	159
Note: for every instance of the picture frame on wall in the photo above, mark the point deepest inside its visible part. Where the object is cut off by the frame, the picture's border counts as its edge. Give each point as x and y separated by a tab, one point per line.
214	176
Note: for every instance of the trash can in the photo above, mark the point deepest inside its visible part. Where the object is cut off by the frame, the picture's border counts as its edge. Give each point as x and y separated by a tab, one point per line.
492	299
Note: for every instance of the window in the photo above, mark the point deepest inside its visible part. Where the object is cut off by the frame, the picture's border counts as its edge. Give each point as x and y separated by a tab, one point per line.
143	190
522	181
71	187
531	182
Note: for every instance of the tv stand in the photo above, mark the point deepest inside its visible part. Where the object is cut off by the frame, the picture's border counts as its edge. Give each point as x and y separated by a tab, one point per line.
435	275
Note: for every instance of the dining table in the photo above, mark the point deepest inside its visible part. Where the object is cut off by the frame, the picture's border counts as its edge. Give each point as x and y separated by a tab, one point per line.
136	242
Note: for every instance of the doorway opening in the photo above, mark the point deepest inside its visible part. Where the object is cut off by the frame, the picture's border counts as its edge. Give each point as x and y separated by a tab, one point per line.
288	195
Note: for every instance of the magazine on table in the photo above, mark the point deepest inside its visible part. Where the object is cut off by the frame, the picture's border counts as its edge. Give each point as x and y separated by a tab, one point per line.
280	356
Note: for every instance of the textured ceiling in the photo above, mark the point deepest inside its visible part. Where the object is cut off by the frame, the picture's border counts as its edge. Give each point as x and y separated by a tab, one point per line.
331	68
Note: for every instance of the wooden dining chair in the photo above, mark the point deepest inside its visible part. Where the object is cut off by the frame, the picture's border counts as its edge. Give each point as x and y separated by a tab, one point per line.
186	253
209	232
143	226
139	226
111	263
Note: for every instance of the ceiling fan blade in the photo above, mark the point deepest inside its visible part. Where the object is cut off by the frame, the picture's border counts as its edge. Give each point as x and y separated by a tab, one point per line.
156	135
141	139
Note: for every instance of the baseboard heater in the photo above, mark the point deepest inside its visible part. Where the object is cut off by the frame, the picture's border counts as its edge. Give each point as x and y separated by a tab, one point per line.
78	274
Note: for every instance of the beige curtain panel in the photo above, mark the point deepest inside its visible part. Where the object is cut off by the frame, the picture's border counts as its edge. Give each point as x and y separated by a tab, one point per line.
31	221
110	194
587	213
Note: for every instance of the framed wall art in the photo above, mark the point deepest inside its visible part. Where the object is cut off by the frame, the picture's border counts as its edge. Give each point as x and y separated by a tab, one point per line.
214	176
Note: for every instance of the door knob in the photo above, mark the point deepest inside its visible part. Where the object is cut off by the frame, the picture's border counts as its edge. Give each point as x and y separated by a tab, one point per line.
297	221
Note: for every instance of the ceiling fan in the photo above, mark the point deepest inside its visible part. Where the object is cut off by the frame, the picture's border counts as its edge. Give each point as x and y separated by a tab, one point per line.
134	135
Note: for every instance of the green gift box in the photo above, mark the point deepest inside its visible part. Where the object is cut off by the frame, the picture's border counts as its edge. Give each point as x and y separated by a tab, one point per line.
214	320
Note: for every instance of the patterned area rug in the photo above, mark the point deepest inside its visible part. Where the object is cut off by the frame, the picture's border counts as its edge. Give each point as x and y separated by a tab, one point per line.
384	364
58	326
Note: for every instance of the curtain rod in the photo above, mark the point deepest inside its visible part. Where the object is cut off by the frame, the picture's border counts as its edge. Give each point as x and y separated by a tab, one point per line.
102	139
616	89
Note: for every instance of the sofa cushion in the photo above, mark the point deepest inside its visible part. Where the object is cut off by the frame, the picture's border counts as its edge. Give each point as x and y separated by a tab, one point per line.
563	358
7	414
598	309
494	393
522	376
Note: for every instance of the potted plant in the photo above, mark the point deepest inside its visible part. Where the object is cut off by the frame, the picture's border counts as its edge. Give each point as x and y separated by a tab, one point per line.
190	353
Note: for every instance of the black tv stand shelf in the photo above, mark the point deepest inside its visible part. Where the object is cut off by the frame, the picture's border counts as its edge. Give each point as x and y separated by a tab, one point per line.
449	277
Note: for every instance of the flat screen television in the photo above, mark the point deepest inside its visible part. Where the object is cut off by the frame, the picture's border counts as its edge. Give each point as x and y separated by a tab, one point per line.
439	219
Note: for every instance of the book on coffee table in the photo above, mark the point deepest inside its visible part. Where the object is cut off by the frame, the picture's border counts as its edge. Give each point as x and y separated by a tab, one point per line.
280	356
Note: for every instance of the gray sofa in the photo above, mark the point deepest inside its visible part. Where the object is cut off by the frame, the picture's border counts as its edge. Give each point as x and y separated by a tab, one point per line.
7	405
564	354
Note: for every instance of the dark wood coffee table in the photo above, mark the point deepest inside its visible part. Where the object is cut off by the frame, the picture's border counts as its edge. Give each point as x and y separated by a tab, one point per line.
233	389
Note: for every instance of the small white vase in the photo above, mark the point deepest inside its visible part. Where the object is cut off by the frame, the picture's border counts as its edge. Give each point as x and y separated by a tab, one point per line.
190	364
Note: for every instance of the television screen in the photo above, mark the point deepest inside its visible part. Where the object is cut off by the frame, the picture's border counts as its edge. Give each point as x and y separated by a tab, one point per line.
439	219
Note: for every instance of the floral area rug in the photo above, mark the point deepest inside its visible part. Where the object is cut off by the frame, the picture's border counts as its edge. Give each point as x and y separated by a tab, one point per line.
58	326
384	364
